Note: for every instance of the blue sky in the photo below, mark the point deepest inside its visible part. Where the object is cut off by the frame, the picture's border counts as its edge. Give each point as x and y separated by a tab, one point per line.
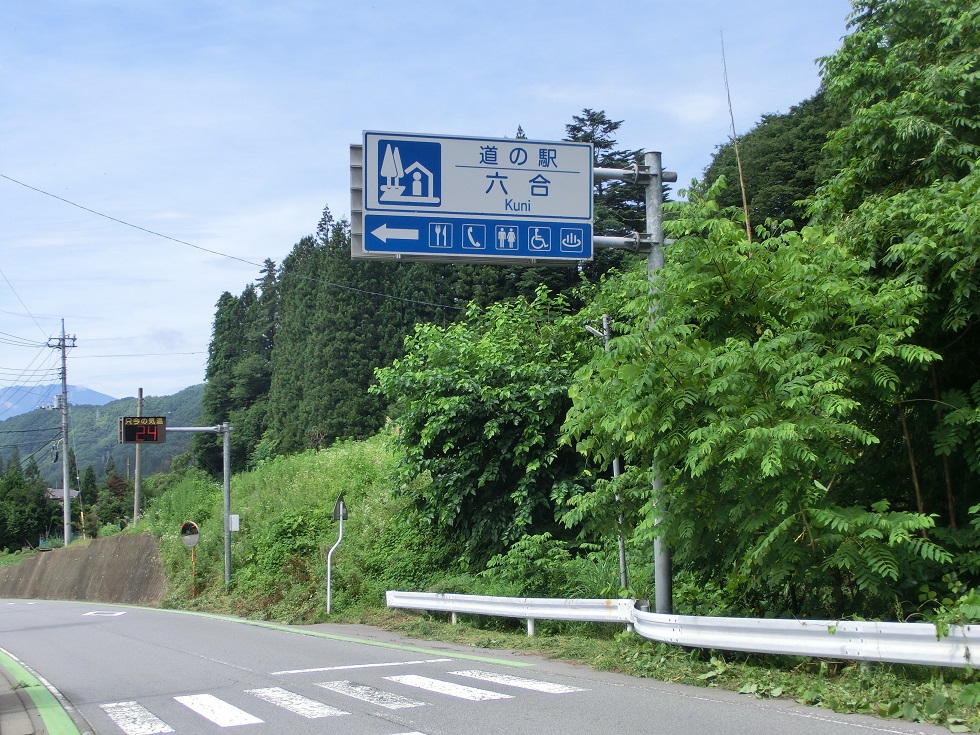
227	124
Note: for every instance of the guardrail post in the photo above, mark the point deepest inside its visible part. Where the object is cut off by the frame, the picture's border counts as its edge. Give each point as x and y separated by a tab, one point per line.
530	626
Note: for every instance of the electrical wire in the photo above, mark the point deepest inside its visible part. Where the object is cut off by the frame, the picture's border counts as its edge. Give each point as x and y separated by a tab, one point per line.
142	354
29	378
20	299
220	254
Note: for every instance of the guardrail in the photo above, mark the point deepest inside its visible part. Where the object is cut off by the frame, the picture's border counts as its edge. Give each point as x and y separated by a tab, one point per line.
529	608
904	643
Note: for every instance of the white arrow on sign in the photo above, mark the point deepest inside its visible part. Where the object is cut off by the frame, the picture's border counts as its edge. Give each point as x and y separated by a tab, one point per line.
384	233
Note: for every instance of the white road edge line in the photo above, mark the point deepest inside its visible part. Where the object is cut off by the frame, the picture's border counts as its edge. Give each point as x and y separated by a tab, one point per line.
359	666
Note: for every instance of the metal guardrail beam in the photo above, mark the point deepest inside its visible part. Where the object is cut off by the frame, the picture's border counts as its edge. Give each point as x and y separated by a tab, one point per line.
903	643
539	608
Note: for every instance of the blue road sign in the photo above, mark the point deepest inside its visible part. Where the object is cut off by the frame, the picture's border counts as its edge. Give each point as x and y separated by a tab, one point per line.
476	198
440	236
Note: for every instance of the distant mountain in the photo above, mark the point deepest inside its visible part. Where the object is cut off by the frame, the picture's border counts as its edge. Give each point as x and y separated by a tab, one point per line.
18	399
94	433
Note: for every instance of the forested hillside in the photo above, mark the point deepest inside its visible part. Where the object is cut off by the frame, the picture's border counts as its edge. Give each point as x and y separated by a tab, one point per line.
100	469
94	435
794	398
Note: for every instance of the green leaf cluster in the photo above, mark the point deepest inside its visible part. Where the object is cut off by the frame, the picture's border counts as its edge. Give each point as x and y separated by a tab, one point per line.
478	407
749	375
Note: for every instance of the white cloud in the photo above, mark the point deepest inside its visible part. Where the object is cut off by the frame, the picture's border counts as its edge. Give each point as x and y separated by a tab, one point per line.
226	123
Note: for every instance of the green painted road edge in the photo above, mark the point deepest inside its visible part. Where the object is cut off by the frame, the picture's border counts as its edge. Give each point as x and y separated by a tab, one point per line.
56	720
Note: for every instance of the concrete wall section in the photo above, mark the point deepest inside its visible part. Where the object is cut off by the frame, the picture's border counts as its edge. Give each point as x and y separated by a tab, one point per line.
122	568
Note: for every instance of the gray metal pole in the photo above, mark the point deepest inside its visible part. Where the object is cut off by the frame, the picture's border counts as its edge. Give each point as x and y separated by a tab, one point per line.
333	548
138	480
226	445
663	584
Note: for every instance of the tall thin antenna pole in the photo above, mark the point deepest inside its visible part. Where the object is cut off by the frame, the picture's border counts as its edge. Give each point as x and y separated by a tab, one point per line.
738	158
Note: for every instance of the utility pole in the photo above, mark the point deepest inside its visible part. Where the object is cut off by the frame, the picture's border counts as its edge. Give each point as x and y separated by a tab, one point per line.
63	344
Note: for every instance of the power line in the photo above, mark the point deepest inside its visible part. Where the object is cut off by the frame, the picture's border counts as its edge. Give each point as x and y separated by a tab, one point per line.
124	222
142	354
20	299
215	252
14	340
28	431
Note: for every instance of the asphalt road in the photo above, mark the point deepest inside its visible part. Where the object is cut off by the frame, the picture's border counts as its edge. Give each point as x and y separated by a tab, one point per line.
142	671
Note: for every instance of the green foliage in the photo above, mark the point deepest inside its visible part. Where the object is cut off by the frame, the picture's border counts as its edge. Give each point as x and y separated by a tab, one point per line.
339	320
189	496
870	545
286	507
478	407
95	435
959	428
756	380
114	502
239	371
534	566
908	73
110	529
24	507
907	200
782	162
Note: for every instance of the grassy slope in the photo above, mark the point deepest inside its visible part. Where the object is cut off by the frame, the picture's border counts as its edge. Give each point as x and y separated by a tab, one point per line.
278	564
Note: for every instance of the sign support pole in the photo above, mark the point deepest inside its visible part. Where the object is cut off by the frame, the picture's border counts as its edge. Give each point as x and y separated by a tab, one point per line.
663	584
339	514
653	176
226	445
225	430
333	548
138	477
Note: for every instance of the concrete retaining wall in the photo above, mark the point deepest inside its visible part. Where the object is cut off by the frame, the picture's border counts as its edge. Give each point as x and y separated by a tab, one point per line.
122	568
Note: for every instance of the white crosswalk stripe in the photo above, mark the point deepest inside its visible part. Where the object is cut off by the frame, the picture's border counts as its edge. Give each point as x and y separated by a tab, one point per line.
134	719
445	687
308	708
218	711
388	700
518	681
